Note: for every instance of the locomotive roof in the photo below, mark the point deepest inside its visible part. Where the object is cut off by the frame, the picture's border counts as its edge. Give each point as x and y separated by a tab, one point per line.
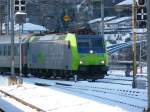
89	36
7	39
49	37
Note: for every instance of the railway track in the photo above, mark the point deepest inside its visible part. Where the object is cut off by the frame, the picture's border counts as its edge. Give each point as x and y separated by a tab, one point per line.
119	79
120	92
90	93
94	91
124	92
22	102
111	82
124	77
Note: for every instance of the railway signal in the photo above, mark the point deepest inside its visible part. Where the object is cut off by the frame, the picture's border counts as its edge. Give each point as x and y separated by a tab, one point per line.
141	13
20	17
148	55
66	18
141	2
20	11
20	6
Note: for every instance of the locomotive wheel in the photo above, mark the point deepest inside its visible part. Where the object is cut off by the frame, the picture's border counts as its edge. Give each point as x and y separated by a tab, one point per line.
66	77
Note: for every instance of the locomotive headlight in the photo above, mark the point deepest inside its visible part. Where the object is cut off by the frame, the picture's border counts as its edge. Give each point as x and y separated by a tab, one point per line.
102	62
81	62
91	51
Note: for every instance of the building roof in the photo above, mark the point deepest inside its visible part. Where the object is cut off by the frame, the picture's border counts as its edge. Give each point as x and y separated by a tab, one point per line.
118	20
28	27
125	3
4	39
99	19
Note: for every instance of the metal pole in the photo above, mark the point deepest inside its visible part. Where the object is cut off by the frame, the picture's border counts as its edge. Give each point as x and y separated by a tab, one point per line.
140	55
75	78
12	37
134	43
1	23
1	16
140	58
102	18
20	51
148	52
7	18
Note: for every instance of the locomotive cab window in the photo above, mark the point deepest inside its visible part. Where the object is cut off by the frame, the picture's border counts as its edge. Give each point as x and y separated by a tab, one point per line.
0	50
97	43
83	44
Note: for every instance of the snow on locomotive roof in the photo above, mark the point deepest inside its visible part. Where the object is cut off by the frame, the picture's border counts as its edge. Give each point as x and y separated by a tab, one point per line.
51	37
7	39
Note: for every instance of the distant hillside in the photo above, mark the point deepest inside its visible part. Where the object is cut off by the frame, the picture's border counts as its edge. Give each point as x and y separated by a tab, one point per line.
50	13
109	8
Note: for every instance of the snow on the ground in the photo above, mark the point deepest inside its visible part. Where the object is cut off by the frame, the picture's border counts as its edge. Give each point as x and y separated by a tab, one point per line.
10	105
140	72
116	72
54	99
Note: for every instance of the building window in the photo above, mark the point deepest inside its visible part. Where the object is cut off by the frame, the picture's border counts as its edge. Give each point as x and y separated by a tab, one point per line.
9	50
0	51
5	51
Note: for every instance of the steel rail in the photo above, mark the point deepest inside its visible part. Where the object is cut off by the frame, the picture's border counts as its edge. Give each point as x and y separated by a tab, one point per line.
22	101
